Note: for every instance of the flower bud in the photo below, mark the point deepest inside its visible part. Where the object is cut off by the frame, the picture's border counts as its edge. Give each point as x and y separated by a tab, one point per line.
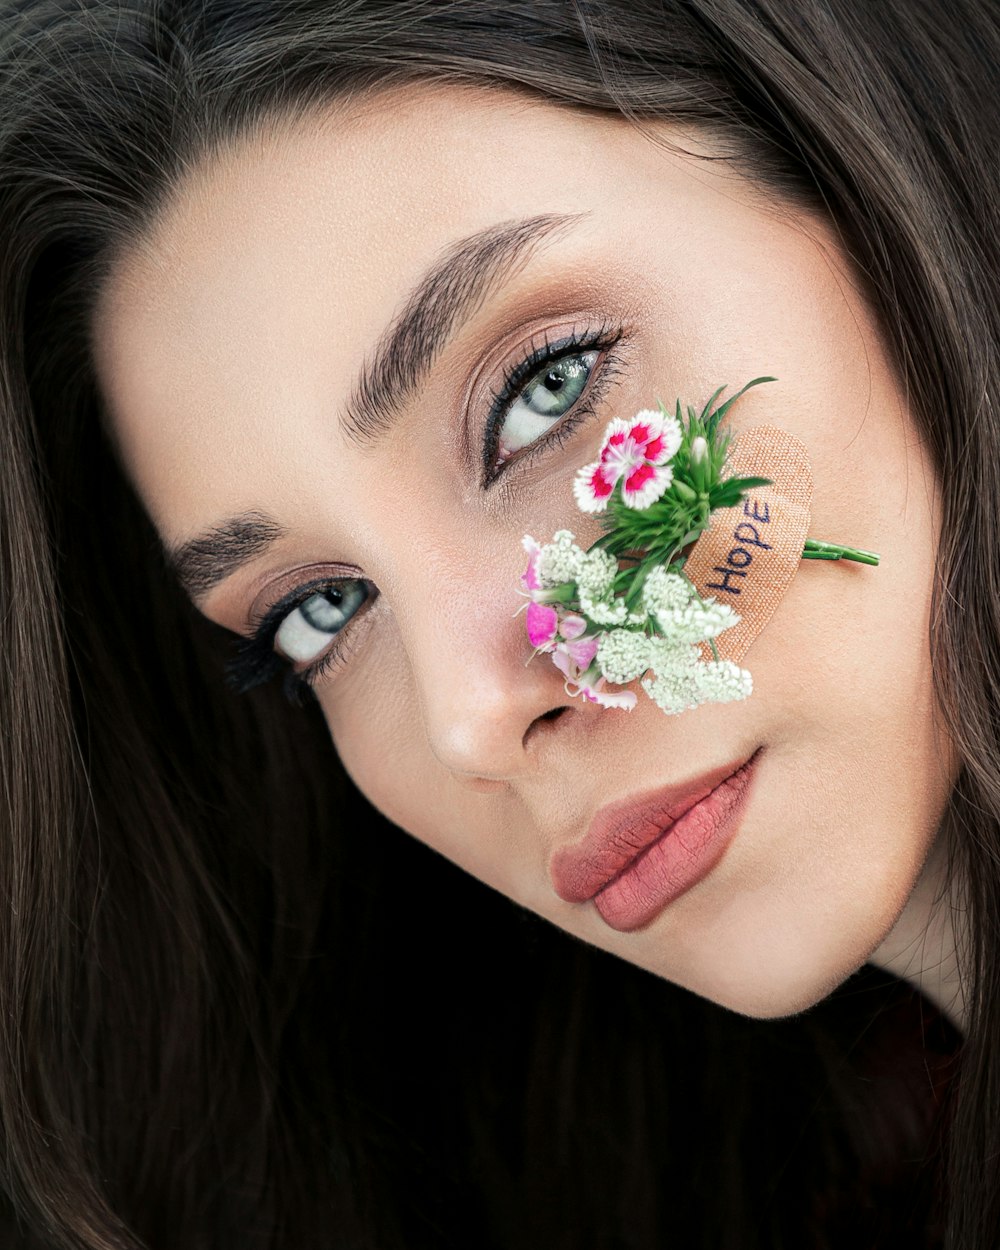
699	450
683	491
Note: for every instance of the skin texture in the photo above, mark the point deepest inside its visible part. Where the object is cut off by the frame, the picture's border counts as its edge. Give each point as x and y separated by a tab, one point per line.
226	349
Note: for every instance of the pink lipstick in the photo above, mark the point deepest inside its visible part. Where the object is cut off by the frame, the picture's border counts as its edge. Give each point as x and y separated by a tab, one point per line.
640	854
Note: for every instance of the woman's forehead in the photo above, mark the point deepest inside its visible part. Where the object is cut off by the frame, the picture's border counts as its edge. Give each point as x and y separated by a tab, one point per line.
386	181
385	174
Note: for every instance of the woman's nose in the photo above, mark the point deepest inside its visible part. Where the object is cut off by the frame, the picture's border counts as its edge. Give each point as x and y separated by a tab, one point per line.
489	711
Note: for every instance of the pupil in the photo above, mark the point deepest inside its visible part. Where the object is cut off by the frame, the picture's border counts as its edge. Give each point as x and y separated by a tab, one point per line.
554	381
333	595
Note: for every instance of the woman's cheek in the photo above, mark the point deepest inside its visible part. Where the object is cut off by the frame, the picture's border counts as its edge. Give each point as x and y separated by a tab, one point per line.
371	711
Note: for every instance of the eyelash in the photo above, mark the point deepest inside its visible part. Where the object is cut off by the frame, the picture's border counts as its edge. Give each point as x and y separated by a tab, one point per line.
606	338
254	660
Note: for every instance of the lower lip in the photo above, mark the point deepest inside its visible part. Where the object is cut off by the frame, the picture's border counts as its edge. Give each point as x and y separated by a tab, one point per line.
687	852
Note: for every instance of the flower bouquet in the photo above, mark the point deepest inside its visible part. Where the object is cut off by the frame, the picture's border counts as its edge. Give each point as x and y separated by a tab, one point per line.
624	608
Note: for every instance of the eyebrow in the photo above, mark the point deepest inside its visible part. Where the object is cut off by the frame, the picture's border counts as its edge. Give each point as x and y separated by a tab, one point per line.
203	562
449	293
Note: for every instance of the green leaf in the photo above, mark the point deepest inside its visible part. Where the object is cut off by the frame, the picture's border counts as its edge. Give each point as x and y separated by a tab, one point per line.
746	483
711	400
721	411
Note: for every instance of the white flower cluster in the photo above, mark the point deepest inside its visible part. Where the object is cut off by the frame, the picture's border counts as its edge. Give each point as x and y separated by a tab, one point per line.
559	561
660	640
595	590
623	655
681	614
683	680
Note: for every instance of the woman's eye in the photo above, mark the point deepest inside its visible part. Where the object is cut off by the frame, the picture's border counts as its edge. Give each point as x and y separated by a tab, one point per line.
308	629
548	396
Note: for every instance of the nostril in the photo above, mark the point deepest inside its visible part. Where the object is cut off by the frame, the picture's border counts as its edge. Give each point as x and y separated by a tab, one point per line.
552	714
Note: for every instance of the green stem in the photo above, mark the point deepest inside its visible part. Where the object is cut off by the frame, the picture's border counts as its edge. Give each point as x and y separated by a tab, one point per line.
817	549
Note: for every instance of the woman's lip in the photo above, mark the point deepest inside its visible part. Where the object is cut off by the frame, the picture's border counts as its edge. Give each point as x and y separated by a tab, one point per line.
622	831
678	859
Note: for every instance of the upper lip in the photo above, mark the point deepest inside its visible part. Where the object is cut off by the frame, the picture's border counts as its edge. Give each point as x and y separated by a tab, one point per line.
621	831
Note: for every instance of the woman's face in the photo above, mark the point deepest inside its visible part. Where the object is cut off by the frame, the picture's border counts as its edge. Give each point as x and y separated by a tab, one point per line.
242	355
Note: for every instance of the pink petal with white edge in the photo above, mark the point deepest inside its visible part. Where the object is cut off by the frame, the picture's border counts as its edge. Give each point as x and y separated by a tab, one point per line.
620	458
615	434
592	488
564	663
594	692
626	700
582	651
646	484
529	578
572	627
541	623
662	434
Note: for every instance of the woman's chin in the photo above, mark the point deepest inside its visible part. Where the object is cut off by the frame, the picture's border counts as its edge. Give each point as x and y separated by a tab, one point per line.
775	1001
783	984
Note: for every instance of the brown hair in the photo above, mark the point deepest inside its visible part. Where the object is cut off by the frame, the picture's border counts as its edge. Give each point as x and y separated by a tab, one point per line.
207	1037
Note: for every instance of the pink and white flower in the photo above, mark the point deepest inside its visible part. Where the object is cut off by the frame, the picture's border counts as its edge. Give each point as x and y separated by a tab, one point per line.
573	653
529	578
542	623
635	453
592	688
560	634
577	663
554	629
574	656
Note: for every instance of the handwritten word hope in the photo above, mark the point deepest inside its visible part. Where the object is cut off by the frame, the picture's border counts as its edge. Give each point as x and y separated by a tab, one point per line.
740	557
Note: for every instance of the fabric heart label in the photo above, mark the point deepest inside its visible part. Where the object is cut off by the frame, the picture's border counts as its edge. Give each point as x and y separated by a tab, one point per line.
749	554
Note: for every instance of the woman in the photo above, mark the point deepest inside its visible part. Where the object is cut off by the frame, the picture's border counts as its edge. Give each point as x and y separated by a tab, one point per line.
311	311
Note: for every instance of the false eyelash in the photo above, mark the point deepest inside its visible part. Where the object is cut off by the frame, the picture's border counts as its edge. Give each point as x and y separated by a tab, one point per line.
254	660
604	339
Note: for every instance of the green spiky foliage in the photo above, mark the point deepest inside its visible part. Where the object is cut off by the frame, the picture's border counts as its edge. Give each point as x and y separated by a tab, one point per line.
659	534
